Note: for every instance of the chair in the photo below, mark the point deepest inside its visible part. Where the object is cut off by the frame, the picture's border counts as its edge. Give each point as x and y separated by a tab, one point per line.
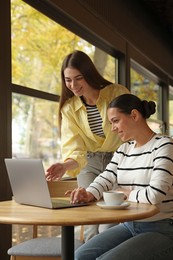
45	248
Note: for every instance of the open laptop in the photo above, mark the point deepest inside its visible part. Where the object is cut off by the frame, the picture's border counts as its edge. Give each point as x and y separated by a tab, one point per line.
29	185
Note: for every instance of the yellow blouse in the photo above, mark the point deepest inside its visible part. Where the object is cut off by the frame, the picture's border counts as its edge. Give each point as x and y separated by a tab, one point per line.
76	136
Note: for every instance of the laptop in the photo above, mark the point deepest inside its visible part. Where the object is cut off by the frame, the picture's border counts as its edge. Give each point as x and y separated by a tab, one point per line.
29	185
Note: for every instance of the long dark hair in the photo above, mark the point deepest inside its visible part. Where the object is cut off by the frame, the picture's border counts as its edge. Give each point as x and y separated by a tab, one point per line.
127	102
82	62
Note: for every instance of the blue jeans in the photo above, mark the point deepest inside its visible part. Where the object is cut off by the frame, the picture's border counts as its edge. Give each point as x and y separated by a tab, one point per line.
129	241
97	163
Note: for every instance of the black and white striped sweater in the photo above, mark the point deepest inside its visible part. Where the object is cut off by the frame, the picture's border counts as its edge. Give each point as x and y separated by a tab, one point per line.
146	171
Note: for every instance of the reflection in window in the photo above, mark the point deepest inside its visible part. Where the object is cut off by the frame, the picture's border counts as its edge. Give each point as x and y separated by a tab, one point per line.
145	86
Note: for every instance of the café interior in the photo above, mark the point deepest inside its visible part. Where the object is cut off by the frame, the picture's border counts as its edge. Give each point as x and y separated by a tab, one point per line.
136	37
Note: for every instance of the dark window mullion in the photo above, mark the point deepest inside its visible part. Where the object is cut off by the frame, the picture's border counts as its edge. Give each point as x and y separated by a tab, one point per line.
34	93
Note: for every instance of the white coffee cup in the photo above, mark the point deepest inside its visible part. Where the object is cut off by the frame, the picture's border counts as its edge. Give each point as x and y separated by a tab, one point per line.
113	197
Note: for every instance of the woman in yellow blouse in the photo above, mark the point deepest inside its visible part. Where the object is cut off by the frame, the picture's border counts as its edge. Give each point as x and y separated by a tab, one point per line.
86	138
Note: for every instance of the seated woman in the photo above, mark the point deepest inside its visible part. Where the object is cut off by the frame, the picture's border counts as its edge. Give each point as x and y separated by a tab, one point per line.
142	167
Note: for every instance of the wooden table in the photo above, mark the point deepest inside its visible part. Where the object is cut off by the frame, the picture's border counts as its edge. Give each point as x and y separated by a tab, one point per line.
13	213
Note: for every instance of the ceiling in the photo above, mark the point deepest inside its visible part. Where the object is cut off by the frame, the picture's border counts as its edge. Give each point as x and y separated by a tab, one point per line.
162	13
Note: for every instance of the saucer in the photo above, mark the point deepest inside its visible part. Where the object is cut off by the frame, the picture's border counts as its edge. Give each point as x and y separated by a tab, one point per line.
102	205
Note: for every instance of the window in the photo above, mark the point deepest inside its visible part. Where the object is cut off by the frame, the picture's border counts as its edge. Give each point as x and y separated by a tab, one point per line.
34	128
145	85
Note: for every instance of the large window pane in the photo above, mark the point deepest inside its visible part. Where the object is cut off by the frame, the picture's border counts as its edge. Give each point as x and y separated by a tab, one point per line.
39	45
36	52
145	85
34	129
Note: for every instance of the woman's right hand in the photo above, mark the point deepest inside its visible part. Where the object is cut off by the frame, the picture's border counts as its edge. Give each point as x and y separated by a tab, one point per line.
55	172
80	195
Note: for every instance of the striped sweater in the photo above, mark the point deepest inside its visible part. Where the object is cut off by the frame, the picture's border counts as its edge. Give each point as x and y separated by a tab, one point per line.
146	171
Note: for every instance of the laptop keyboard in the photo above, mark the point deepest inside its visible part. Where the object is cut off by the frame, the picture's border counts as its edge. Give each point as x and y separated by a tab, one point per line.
59	202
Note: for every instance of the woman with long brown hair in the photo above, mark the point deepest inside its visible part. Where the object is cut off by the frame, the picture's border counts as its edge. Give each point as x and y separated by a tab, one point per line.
86	138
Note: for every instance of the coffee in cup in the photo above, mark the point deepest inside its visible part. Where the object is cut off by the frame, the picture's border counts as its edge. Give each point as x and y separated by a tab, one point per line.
113	197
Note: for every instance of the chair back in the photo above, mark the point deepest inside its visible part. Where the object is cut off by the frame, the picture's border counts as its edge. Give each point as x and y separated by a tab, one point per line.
58	188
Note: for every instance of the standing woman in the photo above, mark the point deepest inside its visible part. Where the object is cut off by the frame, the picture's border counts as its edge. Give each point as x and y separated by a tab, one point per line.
86	137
